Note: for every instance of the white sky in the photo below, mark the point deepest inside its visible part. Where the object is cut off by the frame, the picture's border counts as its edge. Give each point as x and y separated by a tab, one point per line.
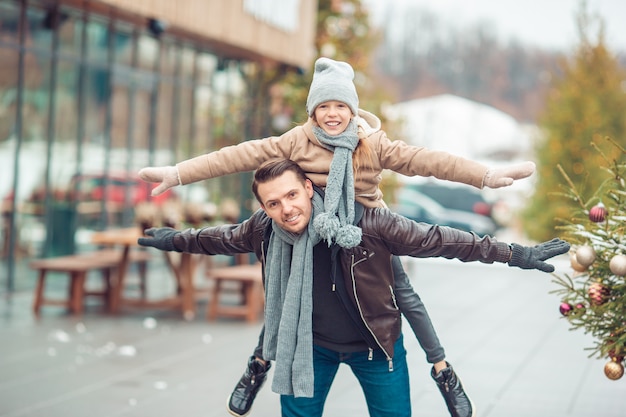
547	23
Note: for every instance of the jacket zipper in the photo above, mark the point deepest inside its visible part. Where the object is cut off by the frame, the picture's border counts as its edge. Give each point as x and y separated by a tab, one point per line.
393	298
358	304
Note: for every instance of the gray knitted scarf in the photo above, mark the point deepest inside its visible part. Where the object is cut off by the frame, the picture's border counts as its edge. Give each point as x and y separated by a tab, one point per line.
288	317
335	224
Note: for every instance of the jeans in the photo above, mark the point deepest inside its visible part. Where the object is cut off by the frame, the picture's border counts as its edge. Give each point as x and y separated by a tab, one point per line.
412	308
387	393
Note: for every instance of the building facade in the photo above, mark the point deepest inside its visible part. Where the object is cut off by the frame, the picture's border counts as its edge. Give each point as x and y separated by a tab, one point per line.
93	90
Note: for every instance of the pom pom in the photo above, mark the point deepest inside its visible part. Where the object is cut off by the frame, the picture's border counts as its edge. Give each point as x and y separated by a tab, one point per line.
326	226
349	236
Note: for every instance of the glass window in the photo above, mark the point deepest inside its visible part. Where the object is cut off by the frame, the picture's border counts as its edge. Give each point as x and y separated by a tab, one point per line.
8	110
9	37
184	97
70	33
35	97
183	135
66	105
164	116
202	120
96	90
187	61
207	63
201	104
97	40
148	51
120	114
124	44
9	23
140	124
8	91
40	27
169	57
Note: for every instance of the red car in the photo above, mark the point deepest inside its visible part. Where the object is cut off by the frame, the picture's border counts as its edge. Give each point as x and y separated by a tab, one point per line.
114	188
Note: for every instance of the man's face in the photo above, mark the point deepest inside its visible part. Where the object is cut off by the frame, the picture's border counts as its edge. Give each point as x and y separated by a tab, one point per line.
287	201
333	117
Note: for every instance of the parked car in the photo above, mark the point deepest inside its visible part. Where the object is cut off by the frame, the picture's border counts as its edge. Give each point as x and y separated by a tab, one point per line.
115	187
115	195
421	208
455	196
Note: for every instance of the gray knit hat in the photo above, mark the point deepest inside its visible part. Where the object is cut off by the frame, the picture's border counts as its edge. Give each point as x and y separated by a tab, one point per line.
332	80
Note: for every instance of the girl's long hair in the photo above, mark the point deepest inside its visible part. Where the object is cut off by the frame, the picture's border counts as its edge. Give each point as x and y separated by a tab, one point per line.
363	157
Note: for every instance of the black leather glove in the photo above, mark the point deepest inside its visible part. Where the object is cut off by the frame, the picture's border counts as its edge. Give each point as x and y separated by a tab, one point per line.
160	237
532	258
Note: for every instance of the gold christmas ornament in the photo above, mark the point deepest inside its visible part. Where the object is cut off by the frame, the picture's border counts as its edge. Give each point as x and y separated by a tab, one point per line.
618	265
598	293
585	255
575	265
613	370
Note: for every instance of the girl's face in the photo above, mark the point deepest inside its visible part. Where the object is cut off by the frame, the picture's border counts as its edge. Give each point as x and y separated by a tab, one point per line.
333	117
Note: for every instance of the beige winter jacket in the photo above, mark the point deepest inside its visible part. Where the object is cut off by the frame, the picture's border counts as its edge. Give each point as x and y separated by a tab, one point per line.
300	145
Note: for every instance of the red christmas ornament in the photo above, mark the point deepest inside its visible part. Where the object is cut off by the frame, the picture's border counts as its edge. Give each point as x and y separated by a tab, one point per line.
598	293
580	307
598	213
565	308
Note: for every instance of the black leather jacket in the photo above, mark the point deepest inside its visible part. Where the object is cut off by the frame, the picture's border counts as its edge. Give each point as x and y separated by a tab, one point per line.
366	268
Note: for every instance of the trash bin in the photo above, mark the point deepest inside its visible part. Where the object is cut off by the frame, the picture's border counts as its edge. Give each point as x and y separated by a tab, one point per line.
60	230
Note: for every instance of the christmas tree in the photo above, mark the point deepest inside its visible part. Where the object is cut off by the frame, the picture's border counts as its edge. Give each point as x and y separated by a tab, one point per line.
585	102
594	294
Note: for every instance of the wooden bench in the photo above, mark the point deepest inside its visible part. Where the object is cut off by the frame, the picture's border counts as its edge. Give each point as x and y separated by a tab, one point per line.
77	266
251	289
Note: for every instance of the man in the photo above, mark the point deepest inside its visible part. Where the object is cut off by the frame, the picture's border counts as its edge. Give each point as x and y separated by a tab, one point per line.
343	150
327	304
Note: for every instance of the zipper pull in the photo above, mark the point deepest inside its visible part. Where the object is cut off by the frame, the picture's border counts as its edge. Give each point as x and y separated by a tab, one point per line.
333	287
390	365
370	355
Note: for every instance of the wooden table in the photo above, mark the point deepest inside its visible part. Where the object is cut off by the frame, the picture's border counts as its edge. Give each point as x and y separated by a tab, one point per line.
250	278
182	266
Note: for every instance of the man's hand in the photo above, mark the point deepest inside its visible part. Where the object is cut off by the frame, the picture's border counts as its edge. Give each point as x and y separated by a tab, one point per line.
532	258
167	176
503	177
160	237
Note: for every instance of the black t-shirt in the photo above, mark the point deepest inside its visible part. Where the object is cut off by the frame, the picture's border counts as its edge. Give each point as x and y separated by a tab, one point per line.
333	328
